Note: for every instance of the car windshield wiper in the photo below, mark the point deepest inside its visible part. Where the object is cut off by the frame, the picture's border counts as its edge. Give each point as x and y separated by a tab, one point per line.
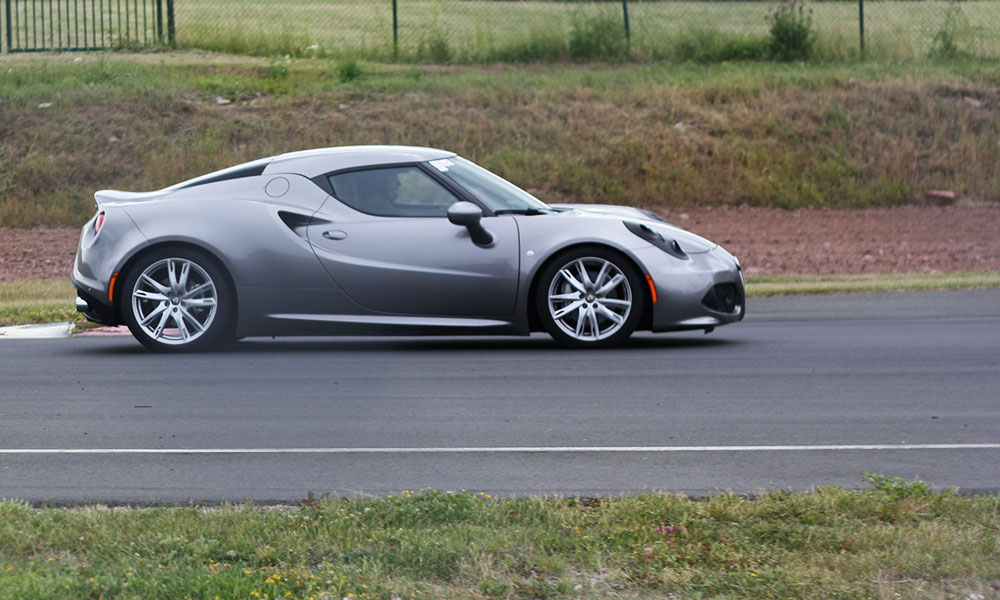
523	211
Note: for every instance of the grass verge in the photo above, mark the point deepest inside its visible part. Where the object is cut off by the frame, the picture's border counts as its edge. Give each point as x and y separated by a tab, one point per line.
783	285
897	539
23	302
650	135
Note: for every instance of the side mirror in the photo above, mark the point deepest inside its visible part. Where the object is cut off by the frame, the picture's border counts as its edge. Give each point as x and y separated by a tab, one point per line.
468	215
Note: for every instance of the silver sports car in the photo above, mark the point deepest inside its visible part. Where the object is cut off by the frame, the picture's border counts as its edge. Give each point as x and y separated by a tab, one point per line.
388	240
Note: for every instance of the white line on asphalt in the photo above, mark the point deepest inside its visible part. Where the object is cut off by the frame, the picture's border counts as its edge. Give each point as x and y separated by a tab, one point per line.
501	449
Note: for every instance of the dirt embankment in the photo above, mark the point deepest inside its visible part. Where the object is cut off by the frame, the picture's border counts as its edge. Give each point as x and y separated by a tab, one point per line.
768	241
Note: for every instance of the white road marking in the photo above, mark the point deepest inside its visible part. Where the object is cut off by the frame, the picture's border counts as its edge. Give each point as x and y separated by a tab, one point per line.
502	449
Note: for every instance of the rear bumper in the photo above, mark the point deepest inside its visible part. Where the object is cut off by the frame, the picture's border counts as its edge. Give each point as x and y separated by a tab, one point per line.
94	310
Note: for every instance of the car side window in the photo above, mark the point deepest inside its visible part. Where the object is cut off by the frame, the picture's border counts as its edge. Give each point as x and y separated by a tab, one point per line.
393	192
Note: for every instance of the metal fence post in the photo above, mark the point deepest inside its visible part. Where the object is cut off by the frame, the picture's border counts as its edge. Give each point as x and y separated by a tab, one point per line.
171	28
7	10
861	25
395	31
628	33
159	21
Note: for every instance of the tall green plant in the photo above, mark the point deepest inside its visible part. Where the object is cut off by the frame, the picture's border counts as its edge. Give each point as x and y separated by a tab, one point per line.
946	40
792	34
599	37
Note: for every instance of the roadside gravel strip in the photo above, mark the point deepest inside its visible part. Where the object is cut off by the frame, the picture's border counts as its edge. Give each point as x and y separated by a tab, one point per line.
769	241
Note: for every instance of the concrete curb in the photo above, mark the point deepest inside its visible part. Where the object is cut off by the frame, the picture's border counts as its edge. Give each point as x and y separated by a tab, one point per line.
38	331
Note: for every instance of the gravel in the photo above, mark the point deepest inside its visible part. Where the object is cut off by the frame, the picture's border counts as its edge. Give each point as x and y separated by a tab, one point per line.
907	239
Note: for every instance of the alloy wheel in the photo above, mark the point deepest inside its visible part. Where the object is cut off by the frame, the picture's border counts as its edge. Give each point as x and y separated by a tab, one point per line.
174	301
589	299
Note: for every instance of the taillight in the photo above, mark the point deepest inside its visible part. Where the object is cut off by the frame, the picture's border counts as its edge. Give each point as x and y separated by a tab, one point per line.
98	222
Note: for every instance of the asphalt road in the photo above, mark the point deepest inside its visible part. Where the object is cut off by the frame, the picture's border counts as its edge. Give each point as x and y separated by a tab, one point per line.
806	391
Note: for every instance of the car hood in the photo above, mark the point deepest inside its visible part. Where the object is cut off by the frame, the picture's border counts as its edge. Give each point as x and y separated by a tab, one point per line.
689	242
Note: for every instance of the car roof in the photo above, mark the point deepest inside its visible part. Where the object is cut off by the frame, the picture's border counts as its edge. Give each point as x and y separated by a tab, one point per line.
310	163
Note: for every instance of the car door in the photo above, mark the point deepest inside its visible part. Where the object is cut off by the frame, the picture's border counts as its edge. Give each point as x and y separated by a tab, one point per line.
387	242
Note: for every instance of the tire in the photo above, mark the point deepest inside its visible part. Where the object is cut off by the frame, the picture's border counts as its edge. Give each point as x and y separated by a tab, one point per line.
590	297
177	300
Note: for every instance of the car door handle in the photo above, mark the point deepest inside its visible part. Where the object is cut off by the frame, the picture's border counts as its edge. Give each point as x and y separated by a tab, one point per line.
335	235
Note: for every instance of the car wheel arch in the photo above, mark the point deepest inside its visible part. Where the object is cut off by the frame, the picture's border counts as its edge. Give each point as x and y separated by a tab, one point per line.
130	262
534	322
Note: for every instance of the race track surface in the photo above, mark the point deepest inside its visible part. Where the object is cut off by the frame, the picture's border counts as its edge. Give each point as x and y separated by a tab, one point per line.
807	391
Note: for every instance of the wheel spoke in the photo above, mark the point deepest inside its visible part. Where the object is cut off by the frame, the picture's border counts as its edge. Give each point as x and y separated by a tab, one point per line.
601	276
172	275
179	320
567	296
198	302
581	318
616	302
610	314
182	282
199	289
572	281
592	319
152	282
163	323
584	276
145	295
152	315
607	287
562	312
196	326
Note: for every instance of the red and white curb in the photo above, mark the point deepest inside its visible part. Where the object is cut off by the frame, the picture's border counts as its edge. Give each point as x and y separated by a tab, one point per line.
104	331
41	331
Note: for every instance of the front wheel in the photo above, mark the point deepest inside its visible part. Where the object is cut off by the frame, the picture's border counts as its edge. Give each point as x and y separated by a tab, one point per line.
177	299
590	298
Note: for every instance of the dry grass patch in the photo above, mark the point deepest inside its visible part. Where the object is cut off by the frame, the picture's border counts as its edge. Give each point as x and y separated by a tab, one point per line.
651	135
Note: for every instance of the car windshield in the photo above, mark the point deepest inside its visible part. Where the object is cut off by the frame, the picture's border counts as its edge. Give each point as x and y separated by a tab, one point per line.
496	192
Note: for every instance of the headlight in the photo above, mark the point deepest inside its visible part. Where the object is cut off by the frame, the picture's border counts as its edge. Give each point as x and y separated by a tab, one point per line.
670	246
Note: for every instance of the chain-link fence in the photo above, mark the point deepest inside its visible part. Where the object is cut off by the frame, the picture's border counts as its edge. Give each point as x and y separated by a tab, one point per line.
515	30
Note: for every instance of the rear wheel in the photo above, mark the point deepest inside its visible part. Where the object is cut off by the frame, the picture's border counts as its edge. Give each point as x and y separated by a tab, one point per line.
176	300
590	298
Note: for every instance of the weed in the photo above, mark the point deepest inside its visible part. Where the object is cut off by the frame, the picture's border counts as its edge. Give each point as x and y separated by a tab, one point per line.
349	70
792	36
896	488
597	37
435	48
946	40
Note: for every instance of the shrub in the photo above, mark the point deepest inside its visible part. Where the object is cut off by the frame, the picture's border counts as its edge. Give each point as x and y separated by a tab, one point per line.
792	36
599	37
435	48
349	70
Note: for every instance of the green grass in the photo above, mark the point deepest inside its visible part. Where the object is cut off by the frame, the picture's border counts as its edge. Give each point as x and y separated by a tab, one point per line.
23	302
656	135
896	539
476	31
784	285
489	31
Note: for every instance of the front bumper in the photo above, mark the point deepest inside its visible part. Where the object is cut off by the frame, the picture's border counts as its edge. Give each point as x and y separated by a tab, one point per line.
702	292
